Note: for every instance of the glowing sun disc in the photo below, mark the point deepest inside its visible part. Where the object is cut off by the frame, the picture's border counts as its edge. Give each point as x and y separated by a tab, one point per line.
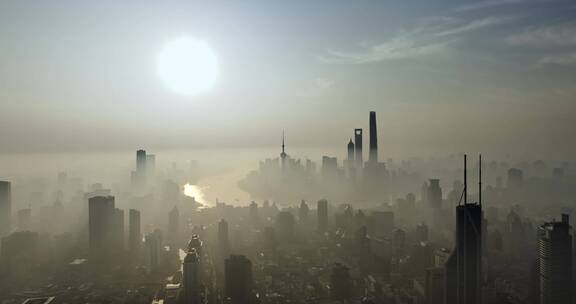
187	66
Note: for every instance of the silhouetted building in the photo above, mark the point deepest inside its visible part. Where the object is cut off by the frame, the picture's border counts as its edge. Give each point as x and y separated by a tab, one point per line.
434	197
5	208
358	149
134	232
322	210
191	278
373	153
434	194
174	225
350	152
555	262
223	238
141	161
19	253
340	282
153	250
238	280
101	226
139	176
349	163
464	266
468	253
118	230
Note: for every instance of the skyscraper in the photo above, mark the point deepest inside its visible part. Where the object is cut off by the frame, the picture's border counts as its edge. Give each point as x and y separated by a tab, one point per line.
322	209
464	266
468	253
134	233
100	222
238	280
118	230
434	194
555	262
358	148
174	225
139	176
19	252
141	161
5	208
223	238
153	250
350	163
350	150
191	279
373	153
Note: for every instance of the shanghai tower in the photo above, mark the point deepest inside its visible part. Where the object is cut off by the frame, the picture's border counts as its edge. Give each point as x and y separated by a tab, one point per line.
373	156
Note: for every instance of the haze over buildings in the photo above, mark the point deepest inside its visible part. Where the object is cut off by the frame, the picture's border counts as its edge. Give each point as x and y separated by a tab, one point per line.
296	152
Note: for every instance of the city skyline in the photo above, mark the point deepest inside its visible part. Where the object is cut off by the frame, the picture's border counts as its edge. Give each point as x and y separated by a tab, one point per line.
288	152
479	63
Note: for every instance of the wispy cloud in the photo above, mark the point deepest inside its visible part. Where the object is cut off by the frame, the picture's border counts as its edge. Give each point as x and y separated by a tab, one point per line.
421	41
546	37
554	44
562	59
485	4
475	25
397	48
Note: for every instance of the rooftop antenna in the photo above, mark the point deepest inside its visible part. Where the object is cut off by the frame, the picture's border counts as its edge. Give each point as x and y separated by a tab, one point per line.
480	180
465	183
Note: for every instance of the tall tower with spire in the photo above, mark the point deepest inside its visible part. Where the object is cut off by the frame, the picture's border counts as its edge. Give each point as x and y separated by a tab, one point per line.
464	266
373	155
283	155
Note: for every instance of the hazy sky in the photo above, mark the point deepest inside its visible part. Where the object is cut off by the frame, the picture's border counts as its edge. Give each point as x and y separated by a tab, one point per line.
443	75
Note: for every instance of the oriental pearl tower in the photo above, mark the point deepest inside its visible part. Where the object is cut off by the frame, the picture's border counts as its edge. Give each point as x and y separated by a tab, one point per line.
283	155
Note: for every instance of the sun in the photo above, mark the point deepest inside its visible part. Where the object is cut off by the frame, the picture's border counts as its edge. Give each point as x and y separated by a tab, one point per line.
188	66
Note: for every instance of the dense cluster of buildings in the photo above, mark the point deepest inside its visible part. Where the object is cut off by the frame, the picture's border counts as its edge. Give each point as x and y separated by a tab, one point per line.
357	180
148	243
